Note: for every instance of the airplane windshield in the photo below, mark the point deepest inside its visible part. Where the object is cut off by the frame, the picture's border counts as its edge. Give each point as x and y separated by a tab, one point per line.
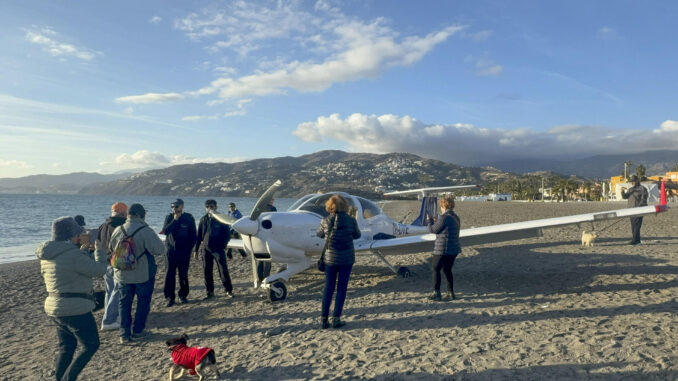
370	209
316	204
300	201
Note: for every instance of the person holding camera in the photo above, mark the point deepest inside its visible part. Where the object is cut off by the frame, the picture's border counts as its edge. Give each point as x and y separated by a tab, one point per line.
67	272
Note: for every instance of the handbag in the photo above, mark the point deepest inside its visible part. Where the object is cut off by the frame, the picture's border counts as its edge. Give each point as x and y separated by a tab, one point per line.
321	261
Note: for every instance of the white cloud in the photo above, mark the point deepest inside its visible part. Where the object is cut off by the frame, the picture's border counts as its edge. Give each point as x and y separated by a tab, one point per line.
372	49
155	20
470	145
16	164
481	36
146	158
193	118
56	165
150	98
46	37
606	33
485	67
240	110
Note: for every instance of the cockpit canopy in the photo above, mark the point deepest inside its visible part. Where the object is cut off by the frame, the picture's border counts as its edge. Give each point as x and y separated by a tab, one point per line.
315	203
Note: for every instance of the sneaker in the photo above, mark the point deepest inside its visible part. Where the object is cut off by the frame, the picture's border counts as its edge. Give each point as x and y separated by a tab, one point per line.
229	294
139	335
209	296
124	340
633	243
110	327
183	300
435	296
170	303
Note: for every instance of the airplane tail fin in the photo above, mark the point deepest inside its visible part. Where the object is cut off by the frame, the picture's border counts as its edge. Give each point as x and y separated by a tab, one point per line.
429	207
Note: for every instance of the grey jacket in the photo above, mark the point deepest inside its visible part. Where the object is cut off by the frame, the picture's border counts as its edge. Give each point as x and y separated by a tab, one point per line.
446	229
67	269
636	195
340	250
145	240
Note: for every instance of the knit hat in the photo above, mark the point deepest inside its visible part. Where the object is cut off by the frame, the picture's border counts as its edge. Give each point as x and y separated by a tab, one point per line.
118	208
65	228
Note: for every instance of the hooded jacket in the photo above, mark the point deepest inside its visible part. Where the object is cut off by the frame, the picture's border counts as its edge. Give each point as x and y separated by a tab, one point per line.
340	250
145	241
67	269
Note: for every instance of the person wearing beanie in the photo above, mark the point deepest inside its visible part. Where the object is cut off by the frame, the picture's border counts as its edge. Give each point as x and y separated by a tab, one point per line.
139	281
180	232
118	216
67	272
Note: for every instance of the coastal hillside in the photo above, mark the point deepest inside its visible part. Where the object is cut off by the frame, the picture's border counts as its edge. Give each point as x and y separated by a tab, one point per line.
598	166
55	184
358	173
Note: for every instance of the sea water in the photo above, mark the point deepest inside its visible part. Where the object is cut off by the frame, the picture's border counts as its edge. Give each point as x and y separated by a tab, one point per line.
26	220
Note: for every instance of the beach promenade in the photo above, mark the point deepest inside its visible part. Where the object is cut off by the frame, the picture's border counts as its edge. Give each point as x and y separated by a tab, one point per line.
535	309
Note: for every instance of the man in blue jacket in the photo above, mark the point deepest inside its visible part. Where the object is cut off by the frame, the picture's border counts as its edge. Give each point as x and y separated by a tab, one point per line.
213	237
179	230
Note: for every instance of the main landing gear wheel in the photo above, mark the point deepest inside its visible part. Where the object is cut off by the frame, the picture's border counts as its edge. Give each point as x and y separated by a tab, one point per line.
277	291
404	272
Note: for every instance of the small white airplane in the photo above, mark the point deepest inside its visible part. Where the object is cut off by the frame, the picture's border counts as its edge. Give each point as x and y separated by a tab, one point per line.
290	237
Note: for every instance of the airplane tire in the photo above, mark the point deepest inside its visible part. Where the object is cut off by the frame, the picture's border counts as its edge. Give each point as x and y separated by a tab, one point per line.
280	295
404	272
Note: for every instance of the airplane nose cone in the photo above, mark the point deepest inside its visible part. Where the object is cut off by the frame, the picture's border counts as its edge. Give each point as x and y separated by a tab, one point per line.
246	226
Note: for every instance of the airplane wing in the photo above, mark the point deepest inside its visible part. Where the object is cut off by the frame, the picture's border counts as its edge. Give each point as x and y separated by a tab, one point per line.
424	191
504	232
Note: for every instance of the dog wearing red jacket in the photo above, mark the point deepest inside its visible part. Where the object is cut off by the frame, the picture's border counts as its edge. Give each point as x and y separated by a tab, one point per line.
197	360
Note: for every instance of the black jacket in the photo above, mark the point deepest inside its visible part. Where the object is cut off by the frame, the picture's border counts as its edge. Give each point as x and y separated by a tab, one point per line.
345	229
636	195
180	234
446	229
212	235
106	231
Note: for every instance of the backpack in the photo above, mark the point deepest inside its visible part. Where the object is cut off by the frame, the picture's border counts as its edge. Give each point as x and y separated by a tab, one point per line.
125	256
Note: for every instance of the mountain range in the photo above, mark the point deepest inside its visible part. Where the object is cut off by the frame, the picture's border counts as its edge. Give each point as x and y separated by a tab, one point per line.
359	173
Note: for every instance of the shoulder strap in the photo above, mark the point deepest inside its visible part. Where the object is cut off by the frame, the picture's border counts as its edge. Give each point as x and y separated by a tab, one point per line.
136	231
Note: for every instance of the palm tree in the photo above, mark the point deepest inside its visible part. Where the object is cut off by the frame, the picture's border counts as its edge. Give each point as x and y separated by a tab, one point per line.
627	165
640	172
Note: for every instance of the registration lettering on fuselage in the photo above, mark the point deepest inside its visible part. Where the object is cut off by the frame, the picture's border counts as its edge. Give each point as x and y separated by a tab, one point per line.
400	229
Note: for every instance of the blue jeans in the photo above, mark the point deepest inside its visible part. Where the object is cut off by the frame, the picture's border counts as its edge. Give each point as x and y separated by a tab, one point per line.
143	291
71	331
332	272
112	303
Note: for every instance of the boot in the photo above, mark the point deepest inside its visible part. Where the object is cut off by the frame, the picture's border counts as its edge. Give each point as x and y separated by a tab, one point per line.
337	323
324	322
435	296
450	295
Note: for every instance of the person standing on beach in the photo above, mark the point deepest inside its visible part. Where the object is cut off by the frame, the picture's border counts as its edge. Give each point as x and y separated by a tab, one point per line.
446	247
67	272
111	318
180	232
340	229
213	237
235	213
139	280
637	196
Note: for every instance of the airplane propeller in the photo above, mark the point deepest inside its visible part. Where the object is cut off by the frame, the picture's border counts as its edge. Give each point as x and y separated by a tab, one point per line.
224	218
264	200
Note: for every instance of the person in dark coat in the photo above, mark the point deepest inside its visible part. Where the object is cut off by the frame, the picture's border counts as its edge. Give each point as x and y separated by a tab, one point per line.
340	229
213	237
180	232
637	196
446	248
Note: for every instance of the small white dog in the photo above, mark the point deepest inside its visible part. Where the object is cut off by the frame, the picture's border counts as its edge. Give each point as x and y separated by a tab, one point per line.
587	238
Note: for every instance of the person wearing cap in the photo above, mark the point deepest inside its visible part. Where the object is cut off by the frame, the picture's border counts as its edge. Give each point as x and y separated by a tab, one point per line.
111	319
139	281
637	196
67	272
213	237
180	232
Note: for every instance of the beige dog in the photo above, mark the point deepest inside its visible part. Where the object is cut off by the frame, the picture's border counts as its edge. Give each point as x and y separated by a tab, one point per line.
587	238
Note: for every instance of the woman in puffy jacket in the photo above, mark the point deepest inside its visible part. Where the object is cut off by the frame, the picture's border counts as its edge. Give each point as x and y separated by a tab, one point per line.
340	229
68	272
446	247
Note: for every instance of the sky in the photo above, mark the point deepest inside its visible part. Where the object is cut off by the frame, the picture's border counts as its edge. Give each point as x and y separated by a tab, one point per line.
111	86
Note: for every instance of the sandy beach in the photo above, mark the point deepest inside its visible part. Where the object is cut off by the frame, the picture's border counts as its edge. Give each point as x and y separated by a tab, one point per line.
535	309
